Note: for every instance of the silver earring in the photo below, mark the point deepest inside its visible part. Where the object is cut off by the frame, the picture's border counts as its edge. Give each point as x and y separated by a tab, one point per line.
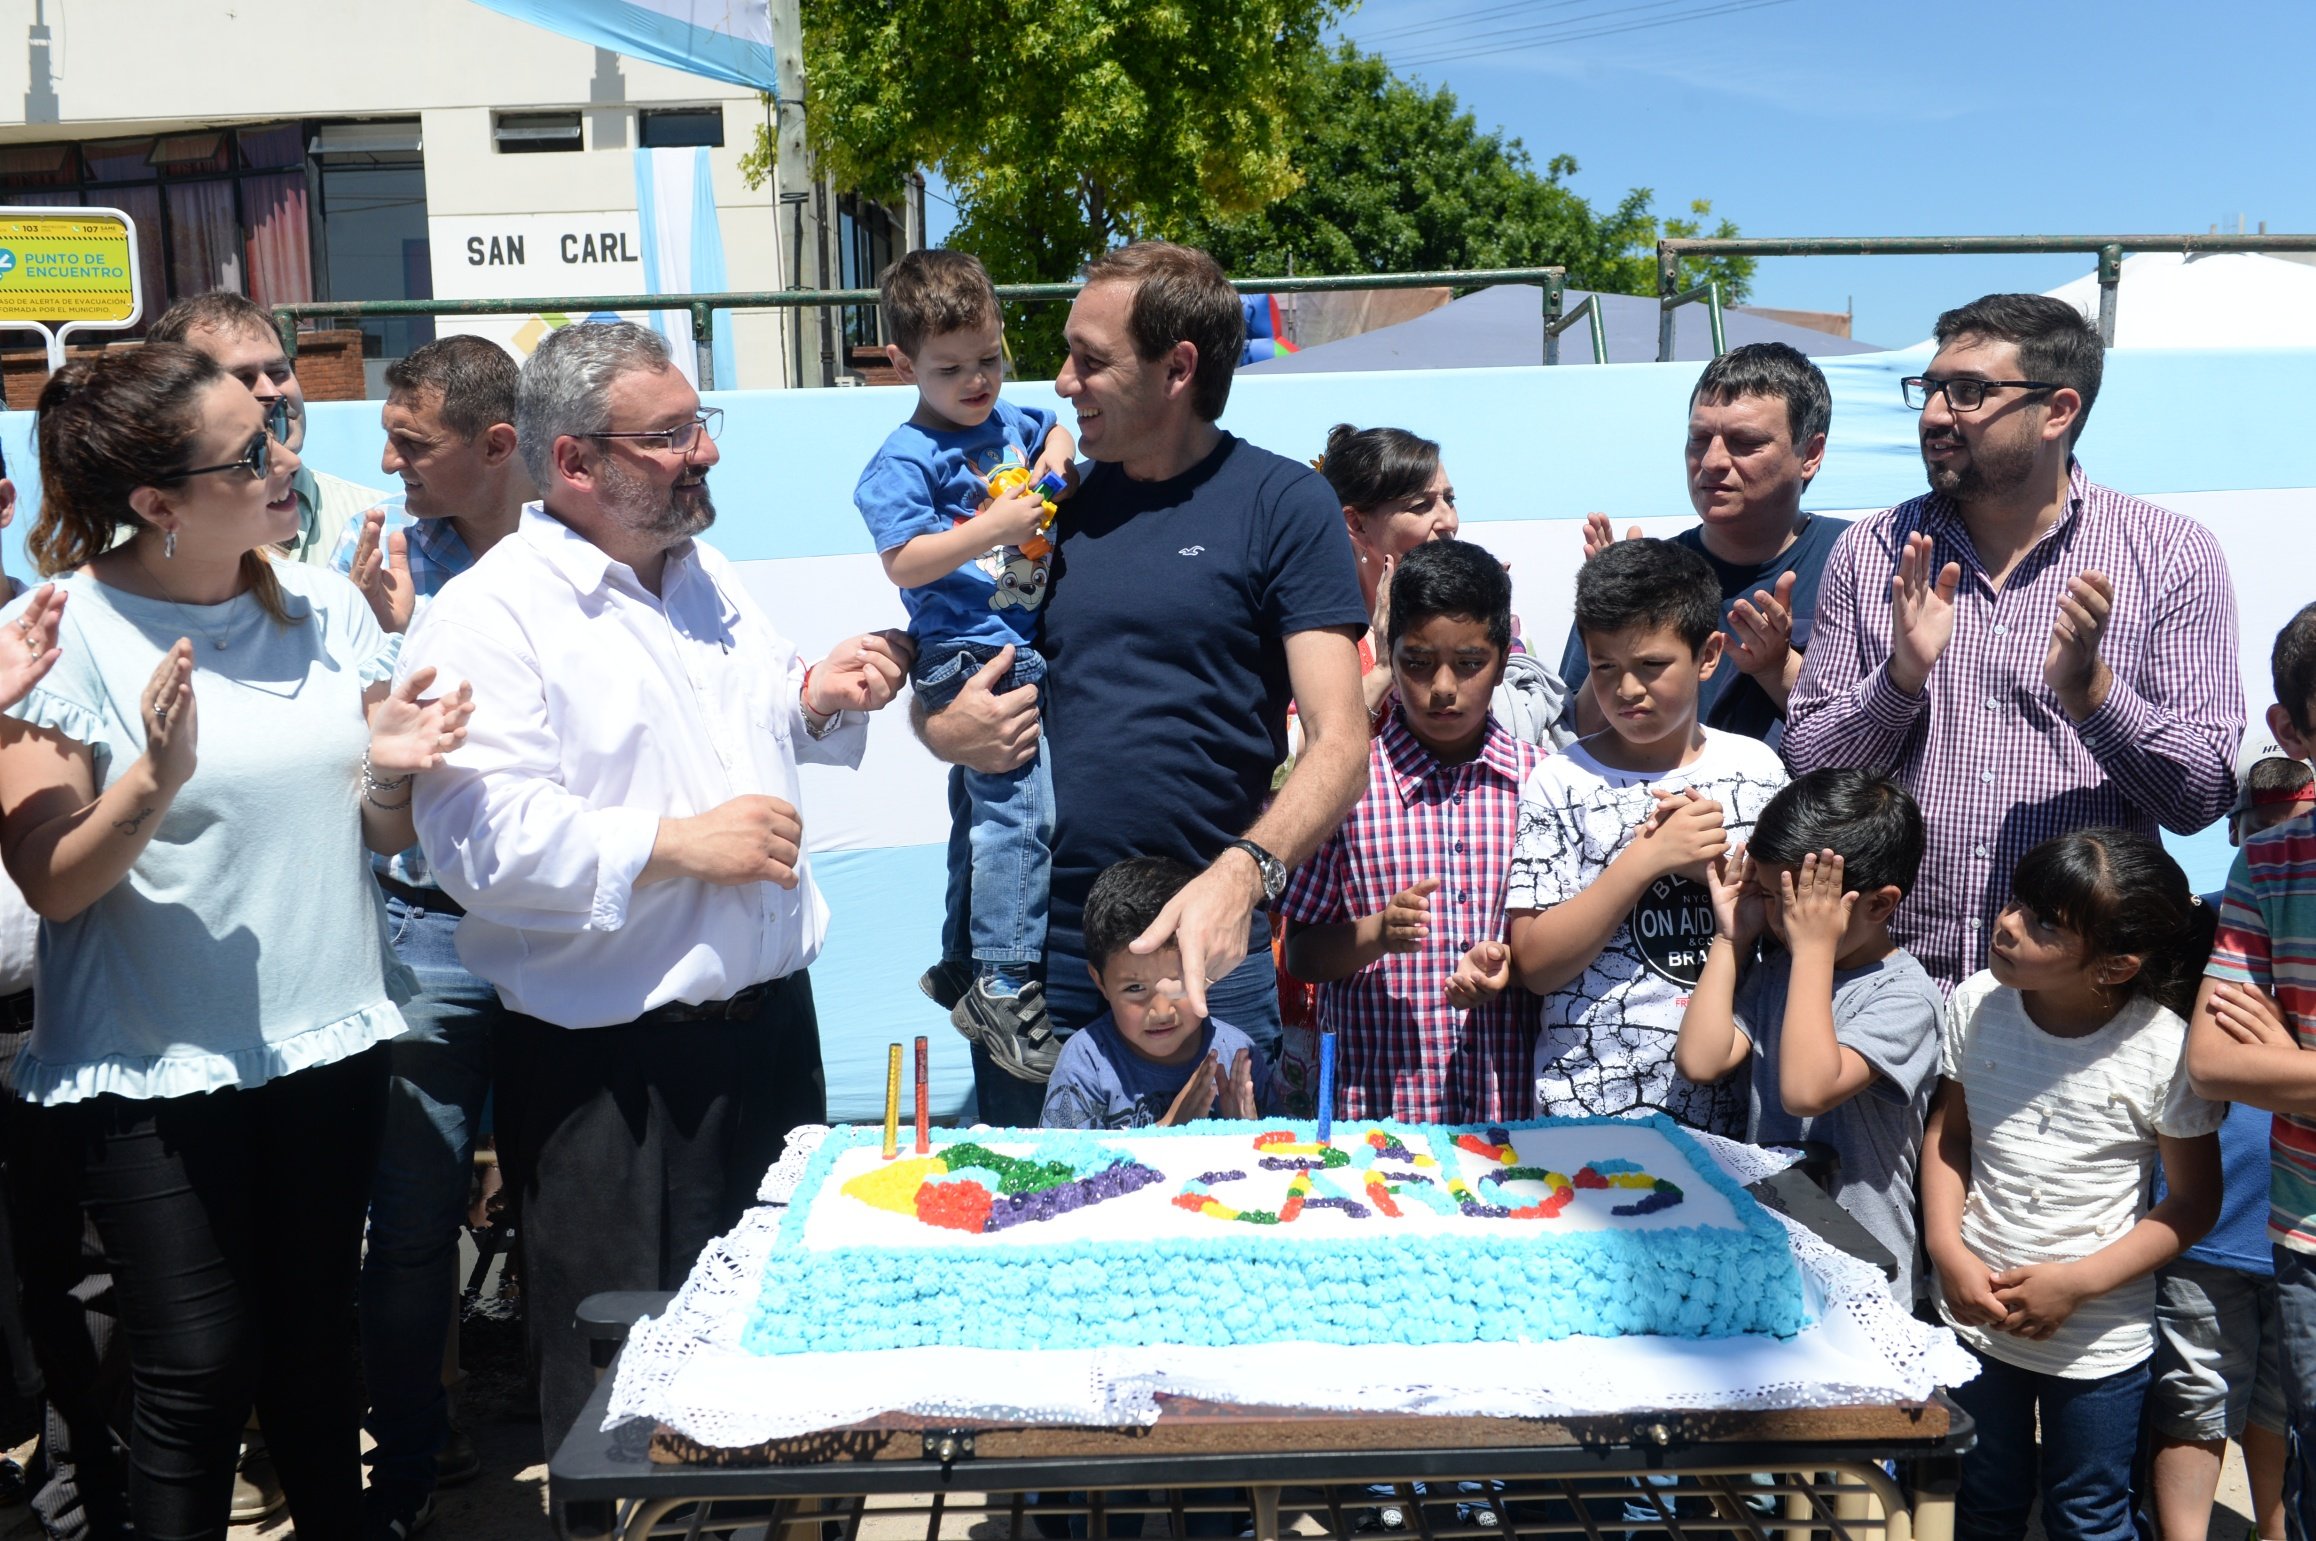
168	544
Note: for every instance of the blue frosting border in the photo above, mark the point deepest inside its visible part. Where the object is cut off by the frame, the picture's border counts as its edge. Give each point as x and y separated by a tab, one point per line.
1347	1290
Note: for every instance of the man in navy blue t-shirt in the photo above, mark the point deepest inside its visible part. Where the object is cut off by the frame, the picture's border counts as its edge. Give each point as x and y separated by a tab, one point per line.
1757	427
1198	585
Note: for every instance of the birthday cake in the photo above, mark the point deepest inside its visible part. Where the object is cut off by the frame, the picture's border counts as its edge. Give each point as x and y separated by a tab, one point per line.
1232	1233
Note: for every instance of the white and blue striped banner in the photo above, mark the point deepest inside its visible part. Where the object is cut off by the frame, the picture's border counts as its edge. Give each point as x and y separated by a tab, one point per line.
2216	435
727	40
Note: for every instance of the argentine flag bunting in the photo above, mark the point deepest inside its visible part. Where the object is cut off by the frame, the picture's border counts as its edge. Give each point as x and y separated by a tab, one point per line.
722	39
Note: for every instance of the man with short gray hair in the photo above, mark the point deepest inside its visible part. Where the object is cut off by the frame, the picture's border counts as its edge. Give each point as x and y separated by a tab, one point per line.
623	833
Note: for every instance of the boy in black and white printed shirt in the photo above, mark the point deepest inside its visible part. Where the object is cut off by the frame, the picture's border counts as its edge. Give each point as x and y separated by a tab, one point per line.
1610	920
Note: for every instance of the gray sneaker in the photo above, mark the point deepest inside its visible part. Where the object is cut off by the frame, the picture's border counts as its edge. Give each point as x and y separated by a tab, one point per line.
256	1488
1013	1028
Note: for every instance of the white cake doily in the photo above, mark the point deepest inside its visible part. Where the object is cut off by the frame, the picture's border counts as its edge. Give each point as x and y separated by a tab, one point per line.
686	1369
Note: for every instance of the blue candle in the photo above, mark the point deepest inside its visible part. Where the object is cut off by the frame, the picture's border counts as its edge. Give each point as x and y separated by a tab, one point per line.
1326	1086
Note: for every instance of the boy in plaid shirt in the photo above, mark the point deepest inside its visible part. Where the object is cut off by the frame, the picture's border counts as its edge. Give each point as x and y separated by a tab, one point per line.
1399	917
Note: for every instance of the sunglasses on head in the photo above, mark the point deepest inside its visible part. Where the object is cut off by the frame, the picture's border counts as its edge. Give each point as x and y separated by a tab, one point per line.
257	459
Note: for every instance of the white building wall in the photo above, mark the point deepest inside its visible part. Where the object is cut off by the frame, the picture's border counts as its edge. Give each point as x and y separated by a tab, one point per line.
121	67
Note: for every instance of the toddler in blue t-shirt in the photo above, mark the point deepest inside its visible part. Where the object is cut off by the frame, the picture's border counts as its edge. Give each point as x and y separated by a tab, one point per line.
971	569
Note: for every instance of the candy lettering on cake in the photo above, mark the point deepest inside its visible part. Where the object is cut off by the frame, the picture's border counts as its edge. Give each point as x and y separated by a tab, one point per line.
1015	1190
1487	1199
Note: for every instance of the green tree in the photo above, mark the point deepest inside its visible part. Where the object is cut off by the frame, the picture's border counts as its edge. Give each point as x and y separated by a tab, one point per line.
1067	127
1397	177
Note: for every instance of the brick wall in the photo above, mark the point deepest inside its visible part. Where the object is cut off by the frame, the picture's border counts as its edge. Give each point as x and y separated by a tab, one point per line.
329	367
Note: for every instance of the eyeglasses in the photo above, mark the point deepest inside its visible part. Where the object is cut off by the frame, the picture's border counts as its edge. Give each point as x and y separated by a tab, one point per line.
256	460
277	415
681	437
1963	393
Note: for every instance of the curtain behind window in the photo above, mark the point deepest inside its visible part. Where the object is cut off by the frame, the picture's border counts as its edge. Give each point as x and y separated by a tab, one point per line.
204	239
281	267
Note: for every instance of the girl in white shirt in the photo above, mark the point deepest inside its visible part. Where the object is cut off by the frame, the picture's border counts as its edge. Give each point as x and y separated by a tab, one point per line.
2062	1082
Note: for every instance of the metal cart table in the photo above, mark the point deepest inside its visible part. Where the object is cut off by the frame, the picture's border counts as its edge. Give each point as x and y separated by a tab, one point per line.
1204	1468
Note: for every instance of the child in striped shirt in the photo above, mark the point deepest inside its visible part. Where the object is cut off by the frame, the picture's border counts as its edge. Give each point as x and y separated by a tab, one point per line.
2062	1081
2256	1017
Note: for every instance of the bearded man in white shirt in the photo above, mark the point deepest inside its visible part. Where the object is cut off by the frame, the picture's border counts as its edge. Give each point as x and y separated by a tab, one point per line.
624	835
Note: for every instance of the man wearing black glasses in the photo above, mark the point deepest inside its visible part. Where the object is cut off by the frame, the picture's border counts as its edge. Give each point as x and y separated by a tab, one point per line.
240	334
2028	652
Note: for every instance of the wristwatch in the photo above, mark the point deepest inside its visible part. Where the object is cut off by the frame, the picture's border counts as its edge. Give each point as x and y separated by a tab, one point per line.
1274	871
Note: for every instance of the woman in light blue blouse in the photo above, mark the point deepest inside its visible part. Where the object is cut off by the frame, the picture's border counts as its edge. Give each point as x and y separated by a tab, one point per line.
184	800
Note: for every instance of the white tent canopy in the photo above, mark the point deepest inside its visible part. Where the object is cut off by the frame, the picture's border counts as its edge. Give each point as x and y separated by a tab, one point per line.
2223	300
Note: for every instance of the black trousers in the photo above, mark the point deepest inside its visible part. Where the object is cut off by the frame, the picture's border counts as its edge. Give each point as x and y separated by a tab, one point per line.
233	1222
67	1333
631	1148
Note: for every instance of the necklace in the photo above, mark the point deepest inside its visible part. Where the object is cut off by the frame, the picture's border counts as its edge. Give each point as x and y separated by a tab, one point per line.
217	639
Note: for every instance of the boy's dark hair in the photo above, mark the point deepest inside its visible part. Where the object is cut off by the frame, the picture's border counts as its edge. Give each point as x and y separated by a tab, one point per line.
1450	577
2292	668
1125	899
1180	295
1649	583
2123	895
1369	467
220	310
478	381
1771	369
2056	342
1863	816
932	292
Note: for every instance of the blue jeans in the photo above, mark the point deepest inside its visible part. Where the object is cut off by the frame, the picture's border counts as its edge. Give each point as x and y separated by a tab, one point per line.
2090	1435
440	1072
2296	1316
1247	998
1009	820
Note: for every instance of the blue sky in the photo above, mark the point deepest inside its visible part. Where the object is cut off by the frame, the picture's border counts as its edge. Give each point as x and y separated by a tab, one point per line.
1862	117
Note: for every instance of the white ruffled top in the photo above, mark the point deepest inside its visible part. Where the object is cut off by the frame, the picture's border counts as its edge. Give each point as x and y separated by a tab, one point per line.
248	941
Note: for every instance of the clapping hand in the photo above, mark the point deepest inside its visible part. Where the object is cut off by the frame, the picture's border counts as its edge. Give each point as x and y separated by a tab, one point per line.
1763	626
1684	834
1600	534
1378	613
26	658
410	734
1737	905
1921	613
172	728
2072	667
1817	909
860	674
385	581
1481	974
1406	920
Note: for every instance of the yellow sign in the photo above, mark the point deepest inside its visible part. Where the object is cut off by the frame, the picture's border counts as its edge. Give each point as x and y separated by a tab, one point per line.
76	265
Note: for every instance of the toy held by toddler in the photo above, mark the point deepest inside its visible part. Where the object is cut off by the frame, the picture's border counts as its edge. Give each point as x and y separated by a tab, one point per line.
959	502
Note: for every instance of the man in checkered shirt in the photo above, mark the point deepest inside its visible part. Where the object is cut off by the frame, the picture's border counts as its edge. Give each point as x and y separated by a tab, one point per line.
2026	651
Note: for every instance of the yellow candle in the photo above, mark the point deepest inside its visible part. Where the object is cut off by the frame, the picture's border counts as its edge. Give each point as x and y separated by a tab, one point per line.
893	1102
